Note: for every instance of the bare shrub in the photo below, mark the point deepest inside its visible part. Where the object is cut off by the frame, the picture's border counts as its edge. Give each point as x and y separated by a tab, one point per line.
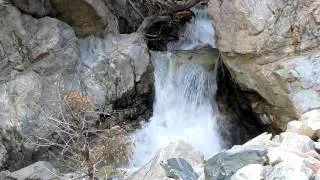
81	146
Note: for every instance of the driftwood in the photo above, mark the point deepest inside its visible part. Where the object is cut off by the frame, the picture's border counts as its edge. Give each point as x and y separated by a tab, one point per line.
170	8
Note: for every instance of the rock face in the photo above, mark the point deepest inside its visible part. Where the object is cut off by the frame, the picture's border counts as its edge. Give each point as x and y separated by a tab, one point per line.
43	64
178	159
259	27
272	48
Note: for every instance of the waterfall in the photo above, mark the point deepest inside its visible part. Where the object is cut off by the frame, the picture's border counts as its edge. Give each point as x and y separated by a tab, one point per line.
184	106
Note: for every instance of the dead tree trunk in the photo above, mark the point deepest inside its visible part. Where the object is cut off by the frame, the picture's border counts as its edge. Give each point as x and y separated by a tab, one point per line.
165	15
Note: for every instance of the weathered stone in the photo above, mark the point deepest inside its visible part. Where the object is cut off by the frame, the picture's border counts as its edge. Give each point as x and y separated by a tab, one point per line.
39	170
225	164
249	172
179	149
294	141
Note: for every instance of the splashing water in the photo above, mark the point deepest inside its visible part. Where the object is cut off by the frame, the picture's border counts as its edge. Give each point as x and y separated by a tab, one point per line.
184	107
198	32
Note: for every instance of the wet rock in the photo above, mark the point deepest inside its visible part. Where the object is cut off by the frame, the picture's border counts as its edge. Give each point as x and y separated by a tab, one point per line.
39	170
249	172
225	164
179	149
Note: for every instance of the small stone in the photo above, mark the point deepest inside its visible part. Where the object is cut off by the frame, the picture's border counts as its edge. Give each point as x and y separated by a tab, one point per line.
249	172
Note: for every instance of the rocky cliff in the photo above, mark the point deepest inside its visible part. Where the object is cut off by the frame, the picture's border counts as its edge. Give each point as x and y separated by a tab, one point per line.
272	48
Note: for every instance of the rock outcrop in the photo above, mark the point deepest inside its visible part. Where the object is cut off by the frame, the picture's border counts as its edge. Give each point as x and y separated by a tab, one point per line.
272	48
44	64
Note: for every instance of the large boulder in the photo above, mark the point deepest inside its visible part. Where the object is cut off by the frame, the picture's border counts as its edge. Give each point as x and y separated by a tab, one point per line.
178	159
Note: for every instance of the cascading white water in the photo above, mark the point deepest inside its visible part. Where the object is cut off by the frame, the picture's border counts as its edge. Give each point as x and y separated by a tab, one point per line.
184	105
198	32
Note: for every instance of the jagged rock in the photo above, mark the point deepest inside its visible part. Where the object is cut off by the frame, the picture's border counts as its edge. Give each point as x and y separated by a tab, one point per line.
87	17
294	141
225	164
179	149
38	171
249	172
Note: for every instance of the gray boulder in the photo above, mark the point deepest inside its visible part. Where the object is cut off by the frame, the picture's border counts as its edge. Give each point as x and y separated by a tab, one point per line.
224	165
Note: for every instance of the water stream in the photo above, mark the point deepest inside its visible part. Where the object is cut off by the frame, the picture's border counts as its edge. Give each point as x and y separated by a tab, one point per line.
184	106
